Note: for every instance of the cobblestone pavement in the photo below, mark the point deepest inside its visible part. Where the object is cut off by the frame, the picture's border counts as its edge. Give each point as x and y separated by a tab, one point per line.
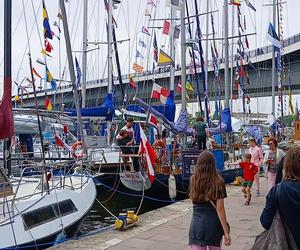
167	228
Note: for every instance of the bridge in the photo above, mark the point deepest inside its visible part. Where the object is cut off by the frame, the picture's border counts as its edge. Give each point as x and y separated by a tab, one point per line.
260	75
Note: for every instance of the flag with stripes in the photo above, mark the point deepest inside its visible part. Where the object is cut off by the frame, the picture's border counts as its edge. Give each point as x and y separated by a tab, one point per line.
47	30
78	72
138	68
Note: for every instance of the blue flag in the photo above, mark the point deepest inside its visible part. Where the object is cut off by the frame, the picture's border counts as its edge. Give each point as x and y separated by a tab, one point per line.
78	73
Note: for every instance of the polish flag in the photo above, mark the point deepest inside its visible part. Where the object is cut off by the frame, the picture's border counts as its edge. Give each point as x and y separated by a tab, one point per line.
148	152
152	120
159	92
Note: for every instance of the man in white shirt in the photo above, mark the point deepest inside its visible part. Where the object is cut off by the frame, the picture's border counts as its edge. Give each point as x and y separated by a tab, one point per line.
128	127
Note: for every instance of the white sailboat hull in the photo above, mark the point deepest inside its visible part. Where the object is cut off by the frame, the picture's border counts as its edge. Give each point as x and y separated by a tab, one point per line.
30	221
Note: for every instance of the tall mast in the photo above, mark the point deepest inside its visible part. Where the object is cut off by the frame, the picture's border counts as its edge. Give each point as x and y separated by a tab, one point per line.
226	47
183	62
232	58
109	59
7	84
172	50
84	55
207	41
273	62
71	69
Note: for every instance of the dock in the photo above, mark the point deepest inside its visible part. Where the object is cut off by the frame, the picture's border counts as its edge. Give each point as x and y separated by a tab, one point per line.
167	227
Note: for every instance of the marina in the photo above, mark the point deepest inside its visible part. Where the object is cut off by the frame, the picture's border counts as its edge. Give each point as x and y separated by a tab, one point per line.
147	129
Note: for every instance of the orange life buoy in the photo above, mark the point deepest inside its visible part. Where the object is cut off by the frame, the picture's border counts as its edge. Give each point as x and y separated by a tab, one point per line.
77	145
160	151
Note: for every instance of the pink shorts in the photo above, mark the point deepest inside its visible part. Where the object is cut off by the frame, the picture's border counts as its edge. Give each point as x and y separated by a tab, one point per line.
198	247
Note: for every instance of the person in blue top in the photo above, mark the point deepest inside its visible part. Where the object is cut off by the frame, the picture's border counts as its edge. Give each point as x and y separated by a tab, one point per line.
289	199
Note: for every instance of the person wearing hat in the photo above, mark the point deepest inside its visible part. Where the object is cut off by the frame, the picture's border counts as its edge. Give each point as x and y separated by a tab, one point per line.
257	159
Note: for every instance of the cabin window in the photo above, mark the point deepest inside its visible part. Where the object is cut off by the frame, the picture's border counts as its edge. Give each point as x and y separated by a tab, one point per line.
45	214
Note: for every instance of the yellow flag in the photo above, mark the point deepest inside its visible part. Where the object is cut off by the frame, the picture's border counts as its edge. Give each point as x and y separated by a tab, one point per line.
189	86
164	59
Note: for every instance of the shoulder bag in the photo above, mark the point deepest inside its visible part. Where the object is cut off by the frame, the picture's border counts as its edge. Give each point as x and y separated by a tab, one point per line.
279	236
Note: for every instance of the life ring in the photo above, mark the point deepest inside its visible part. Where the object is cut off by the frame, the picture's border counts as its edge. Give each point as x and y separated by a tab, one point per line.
75	148
160	151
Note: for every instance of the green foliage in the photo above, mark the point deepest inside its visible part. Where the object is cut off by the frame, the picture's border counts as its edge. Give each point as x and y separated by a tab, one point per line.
287	120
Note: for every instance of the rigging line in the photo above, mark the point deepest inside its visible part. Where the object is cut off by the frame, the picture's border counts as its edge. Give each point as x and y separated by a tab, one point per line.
24	54
149	49
106	209
15	30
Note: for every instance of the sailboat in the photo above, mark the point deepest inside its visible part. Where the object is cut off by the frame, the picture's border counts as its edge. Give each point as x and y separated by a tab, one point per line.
42	209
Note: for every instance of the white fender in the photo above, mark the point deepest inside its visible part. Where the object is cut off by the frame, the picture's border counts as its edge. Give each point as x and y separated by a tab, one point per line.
172	187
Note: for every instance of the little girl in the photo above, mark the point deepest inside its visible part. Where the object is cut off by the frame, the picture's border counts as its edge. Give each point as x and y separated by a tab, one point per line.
207	191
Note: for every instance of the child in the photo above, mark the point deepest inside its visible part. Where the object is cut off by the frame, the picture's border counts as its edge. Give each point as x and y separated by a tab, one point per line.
207	192
250	170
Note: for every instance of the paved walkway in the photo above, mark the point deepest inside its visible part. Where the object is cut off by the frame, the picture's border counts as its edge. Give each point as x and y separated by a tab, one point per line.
167	228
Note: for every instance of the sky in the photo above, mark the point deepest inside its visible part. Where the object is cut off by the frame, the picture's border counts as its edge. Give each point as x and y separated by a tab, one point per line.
130	18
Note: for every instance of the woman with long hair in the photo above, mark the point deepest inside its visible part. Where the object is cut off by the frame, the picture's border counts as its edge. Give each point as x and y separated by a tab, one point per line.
207	192
288	199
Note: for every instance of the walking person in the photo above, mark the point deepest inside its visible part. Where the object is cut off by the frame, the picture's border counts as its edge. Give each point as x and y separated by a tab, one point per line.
256	158
288	200
207	192
250	170
200	132
272	159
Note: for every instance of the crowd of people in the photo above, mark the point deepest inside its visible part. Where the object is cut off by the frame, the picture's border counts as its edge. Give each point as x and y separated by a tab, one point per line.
209	228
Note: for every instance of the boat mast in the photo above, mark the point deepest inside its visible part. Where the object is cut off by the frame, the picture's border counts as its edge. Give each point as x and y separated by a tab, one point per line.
7	76
172	50
109	61
273	62
84	55
183	64
226	47
71	69
207	40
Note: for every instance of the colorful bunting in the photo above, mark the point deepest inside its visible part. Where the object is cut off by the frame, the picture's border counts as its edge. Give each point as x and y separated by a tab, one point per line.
132	82
138	68
49	78
235	2
47	30
48	104
164	59
147	13
160	93
78	72
166	27
142	43
145	31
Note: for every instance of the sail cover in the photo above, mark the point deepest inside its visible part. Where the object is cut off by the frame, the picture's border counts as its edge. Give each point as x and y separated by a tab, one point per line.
181	125
168	110
6	114
225	125
105	110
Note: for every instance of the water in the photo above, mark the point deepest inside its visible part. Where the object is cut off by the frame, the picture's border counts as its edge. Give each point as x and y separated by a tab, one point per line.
116	203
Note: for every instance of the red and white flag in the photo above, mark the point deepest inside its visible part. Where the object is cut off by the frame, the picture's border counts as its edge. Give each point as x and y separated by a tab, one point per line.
159	92
152	120
145	31
60	143
147	150
166	27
